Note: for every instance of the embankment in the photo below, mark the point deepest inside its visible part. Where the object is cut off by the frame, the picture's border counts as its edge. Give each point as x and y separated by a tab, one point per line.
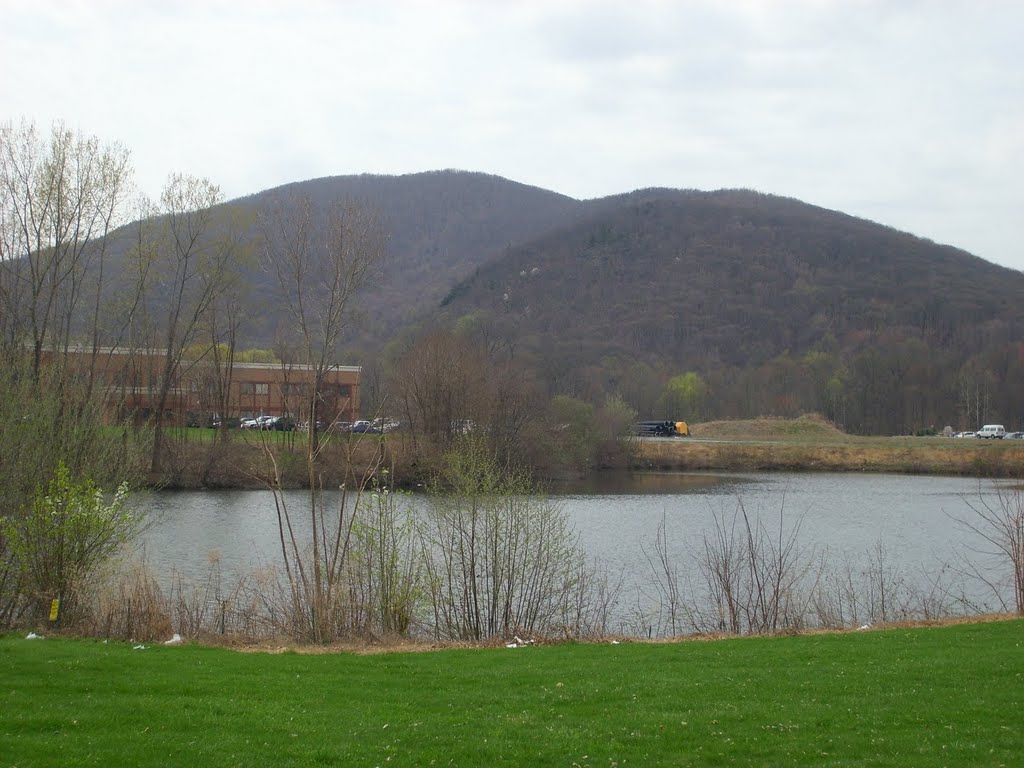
251	460
811	444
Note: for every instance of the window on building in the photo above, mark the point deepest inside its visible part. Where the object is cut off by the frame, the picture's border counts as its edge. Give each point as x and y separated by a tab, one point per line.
253	388
345	390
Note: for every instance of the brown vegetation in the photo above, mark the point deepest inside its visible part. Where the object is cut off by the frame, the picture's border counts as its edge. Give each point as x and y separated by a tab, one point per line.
241	462
133	606
811	443
769	444
809	426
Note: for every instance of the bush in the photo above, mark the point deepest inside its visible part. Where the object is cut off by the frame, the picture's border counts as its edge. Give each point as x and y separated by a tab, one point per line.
70	530
51	418
500	558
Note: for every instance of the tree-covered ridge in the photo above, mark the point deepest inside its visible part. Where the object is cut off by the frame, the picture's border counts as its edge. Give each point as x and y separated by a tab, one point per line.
780	306
440	225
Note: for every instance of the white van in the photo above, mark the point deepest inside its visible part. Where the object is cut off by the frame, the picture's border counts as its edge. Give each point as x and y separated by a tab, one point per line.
992	430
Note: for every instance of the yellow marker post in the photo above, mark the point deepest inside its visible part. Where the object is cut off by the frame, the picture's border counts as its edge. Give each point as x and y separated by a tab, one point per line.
54	608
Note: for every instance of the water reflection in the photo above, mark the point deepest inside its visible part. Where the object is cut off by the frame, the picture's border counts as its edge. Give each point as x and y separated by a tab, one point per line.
617	483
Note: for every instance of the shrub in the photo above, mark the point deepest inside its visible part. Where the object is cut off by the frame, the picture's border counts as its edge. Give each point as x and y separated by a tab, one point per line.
70	530
500	558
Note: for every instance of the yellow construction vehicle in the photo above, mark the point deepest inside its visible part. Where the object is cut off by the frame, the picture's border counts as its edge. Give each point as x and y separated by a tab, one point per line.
666	428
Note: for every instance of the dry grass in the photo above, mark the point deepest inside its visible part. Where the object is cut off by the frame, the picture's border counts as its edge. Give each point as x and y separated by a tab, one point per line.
812	443
810	426
408	645
241	461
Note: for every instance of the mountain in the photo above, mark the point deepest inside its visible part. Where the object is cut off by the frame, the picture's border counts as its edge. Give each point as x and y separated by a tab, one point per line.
439	226
779	306
733	277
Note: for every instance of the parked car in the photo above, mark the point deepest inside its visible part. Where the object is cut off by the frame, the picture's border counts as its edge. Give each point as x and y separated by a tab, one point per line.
964	434
463	427
363	427
1014	436
279	424
256	422
992	431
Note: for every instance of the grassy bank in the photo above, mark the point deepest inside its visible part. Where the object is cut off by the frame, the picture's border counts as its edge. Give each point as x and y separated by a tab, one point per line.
923	697
812	444
199	460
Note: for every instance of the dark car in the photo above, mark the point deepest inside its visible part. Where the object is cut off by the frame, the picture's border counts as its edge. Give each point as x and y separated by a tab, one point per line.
281	424
276	423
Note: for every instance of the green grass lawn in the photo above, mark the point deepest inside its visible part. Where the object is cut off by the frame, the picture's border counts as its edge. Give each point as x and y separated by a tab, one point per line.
252	436
951	696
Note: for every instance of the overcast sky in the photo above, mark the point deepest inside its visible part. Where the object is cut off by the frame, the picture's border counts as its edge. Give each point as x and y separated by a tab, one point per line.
906	113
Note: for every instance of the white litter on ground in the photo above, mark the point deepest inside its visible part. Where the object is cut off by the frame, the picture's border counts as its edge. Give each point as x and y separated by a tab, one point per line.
34	636
174	640
518	642
139	648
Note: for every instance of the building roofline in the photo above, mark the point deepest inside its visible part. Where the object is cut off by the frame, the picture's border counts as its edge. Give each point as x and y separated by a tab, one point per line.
249	366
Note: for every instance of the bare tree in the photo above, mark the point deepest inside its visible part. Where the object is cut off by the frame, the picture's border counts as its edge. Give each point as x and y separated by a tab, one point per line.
320	261
441	385
665	571
447	384
753	577
61	196
195	249
222	325
500	558
59	199
999	527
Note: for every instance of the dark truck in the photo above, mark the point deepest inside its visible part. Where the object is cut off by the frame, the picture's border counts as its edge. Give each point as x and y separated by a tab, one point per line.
662	429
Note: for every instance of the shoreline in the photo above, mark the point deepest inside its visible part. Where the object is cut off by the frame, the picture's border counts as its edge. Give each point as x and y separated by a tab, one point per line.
900	455
242	464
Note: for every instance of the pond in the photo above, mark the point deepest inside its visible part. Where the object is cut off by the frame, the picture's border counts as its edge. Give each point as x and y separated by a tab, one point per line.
909	528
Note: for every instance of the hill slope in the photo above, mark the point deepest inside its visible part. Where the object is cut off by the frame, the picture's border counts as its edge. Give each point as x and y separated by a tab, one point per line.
735	278
780	306
439	226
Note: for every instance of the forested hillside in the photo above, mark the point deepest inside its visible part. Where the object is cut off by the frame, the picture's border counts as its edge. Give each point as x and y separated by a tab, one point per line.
684	304
778	306
438	225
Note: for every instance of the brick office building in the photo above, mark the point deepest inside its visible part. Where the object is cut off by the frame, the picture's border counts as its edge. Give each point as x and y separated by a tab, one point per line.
205	391
265	389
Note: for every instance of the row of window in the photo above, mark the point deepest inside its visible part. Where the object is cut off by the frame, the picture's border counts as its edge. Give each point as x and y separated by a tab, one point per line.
263	388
